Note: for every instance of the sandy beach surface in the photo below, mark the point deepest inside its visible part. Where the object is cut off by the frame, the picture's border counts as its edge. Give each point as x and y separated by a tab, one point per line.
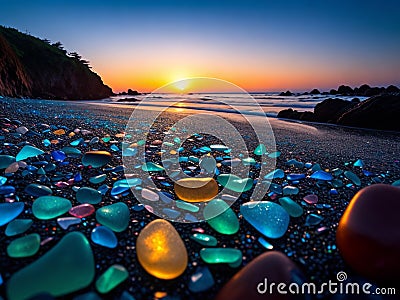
311	247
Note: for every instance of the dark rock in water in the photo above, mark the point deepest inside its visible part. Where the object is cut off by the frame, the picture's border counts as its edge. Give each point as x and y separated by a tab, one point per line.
368	235
345	90
287	93
330	109
128	100
333	92
315	92
133	93
44	70
391	89
379	112
296	115
355	100
254	280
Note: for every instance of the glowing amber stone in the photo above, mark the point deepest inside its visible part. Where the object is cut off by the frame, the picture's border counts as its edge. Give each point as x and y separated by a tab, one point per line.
196	189
59	132
161	251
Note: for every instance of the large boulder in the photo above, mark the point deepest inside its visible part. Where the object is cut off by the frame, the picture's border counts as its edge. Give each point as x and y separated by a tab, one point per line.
345	90
379	112
331	109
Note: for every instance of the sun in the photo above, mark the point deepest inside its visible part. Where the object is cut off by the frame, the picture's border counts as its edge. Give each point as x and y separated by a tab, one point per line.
181	84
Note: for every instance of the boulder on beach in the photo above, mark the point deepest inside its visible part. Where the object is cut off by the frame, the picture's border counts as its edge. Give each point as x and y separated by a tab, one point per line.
315	92
345	90
331	109
379	112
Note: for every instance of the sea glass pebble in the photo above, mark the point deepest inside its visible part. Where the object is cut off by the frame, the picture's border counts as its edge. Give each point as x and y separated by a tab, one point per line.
311	199
18	226
220	255
161	251
292	208
48	207
313	219
152	167
24	246
221	217
27	152
9	211
111	278
7	189
114	216
260	150
82	210
88	195
96	159
201	280
37	190
204	239
321	175
149	195
267	217
290	190
208	164
6	160
66	222
104	236
98	179
52	275
196	189
353	177
235	183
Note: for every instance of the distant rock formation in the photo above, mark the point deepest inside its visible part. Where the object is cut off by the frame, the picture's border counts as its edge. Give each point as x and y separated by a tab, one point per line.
31	67
377	112
130	92
287	93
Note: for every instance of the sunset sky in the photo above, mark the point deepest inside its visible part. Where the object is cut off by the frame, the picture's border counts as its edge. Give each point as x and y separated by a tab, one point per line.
258	45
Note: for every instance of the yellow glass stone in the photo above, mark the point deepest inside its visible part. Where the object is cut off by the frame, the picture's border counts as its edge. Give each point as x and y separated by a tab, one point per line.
59	132
71	134
173	152
161	251
196	189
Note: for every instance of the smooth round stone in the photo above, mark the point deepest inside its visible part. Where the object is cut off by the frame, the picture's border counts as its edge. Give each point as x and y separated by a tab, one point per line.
295	176
88	195
196	189
149	195
98	179
208	164
12	168
368	235
24	246
58	155
37	190
201	280
18	226
161	251
152	167
104	236
313	219
221	217
82	211
66	268
6	160
7	189
292	208
220	255
71	151
96	159
321	175
353	177
267	217
111	278
235	183
49	207
290	190
311	199
27	152
9	211
204	239
114	216
249	282
278	173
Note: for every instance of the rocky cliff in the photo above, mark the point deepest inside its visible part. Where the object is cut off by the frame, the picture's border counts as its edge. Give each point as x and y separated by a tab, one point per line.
31	67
